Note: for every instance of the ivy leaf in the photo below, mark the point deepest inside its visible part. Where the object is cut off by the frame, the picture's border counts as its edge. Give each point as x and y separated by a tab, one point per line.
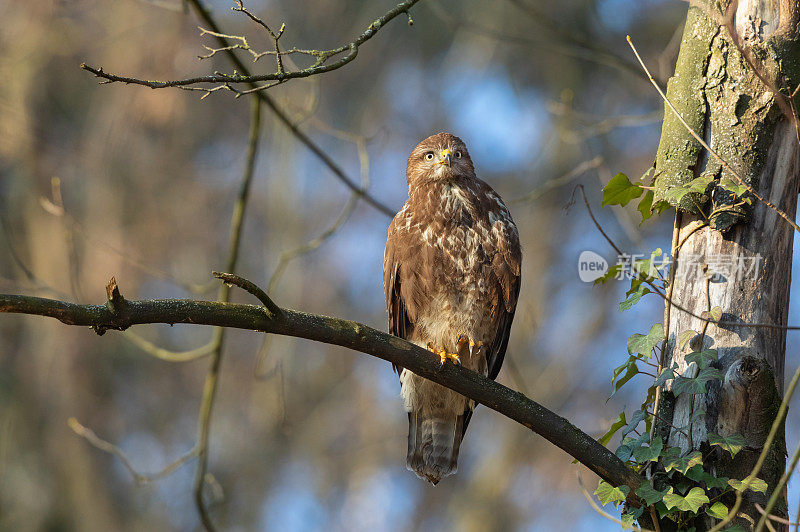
618	424
650	495
735	528
718	510
665	375
754	484
645	207
733	443
636	418
697	185
715	314
690	503
649	454
624	452
632	371
644	344
647	266
634	297
682	463
620	191
731	185
695	384
685	336
607	493
714	482
702	358
629	518
610	274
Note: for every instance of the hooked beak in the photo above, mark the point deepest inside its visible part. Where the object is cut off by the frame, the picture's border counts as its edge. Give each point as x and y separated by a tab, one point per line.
446	157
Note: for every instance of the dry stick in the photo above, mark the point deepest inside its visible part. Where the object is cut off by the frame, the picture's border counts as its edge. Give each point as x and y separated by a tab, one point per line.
779	488
210	385
206	17
707	147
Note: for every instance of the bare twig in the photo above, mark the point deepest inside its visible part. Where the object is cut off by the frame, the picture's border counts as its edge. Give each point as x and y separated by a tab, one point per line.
140	478
556	182
207	19
348	52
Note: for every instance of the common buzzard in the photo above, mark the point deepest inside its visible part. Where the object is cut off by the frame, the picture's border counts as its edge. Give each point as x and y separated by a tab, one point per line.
451	276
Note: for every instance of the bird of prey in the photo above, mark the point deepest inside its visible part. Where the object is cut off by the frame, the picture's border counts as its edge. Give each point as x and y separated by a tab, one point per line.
451	277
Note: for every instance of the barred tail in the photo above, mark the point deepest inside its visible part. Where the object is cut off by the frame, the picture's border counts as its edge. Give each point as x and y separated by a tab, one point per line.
433	443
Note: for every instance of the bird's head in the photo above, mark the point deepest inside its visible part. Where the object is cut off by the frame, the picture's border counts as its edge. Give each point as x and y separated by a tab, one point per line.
440	157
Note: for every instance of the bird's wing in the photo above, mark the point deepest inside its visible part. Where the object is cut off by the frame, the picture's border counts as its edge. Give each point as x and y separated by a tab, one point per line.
397	281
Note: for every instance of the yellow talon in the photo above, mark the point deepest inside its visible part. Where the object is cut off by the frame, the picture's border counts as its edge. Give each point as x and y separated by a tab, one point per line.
444	355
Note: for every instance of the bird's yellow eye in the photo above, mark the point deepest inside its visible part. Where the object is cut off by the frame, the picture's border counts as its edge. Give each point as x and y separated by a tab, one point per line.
458	155
429	156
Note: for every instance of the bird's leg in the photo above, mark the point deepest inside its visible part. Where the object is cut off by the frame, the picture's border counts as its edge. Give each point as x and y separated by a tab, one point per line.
443	354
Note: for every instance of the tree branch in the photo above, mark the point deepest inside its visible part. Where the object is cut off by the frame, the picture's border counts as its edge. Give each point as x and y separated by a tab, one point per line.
350	51
349	334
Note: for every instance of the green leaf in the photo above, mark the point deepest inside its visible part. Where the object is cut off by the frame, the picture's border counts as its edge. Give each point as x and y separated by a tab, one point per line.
718	510
610	274
636	418
618	424
631	370
714	482
697	185
665	375
685	336
630	517
649	454
733	443
696	384
644	344
735	528
624	452
607	493
715	314
649	494
682	463
731	185
702	358
634	297
646	206
620	191
754	484
690	503
647	267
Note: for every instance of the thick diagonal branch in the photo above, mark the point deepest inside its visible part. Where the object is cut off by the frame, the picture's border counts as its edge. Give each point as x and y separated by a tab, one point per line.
352	335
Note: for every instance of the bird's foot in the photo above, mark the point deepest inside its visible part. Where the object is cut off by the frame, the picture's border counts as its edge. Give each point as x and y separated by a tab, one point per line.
467	345
444	355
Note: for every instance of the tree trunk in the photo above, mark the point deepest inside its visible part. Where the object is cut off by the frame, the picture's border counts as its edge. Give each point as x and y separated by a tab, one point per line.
726	254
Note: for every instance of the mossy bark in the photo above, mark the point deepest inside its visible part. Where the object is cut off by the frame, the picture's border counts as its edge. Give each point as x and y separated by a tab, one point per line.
730	105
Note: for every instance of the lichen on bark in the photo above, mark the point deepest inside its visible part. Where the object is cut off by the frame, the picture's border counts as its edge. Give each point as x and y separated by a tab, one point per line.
723	100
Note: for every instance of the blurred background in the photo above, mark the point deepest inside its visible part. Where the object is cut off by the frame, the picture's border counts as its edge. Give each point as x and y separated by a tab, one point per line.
101	180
